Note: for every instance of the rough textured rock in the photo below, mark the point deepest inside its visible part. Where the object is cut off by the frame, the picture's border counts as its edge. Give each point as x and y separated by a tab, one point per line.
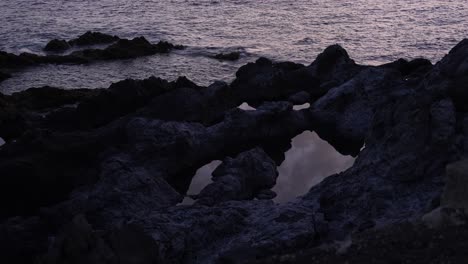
345	113
126	156
78	243
240	178
39	99
121	49
93	38
125	49
402	243
57	45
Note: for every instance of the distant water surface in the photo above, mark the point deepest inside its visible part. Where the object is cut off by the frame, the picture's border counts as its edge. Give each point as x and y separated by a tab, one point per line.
373	31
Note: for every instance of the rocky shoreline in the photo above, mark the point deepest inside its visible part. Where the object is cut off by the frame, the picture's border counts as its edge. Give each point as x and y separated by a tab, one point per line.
95	176
85	51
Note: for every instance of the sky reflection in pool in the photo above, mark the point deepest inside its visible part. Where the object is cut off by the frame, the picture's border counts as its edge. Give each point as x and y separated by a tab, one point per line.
307	163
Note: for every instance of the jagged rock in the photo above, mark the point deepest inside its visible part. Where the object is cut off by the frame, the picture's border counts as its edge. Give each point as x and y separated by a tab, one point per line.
231	56
78	243
346	112
57	45
93	38
122	49
333	67
125	49
273	81
238	231
137	189
240	178
120	158
414	67
119	99
12	61
37	99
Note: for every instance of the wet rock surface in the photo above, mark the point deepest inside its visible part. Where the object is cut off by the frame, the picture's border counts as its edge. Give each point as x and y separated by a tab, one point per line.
93	38
57	45
231	56
117	50
102	171
87	39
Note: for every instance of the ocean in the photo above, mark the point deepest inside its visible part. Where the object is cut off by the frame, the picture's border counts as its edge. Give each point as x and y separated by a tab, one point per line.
372	31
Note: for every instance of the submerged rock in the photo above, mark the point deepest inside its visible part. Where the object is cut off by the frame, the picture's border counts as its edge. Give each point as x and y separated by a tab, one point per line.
231	56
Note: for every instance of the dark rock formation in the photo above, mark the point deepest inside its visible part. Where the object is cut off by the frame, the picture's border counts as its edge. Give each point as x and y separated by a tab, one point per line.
57	45
124	49
93	38
12	61
124	157
79	243
40	99
87	39
231	56
121	49
402	243
241	178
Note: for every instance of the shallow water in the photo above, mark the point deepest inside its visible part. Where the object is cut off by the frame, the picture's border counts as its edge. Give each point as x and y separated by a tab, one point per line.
373	32
307	163
309	160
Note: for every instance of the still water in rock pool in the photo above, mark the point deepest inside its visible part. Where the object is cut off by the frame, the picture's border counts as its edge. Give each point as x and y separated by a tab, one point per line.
307	163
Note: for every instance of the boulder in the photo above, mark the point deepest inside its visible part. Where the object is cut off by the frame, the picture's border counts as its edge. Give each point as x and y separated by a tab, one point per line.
93	38
240	178
57	45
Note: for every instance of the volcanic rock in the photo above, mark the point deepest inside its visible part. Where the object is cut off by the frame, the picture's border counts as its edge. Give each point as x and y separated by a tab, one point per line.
57	45
93	38
231	56
240	178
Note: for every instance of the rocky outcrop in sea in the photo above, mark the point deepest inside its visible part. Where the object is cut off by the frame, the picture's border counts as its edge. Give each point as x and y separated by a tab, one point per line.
89	47
97	176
